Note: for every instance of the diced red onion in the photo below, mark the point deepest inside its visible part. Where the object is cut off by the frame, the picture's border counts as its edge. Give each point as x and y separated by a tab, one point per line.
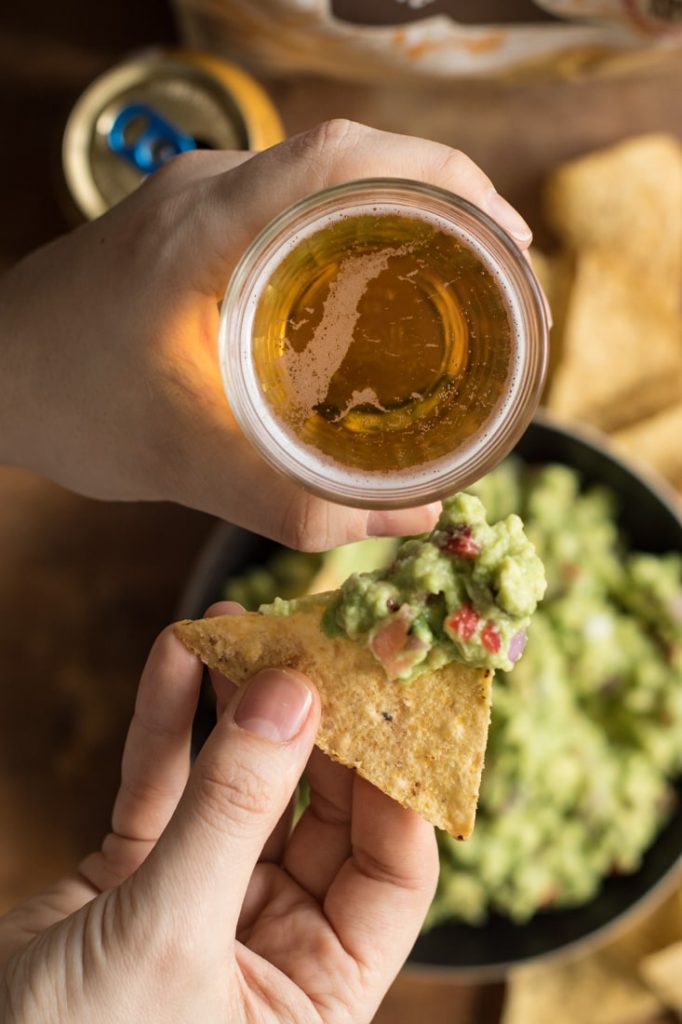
517	646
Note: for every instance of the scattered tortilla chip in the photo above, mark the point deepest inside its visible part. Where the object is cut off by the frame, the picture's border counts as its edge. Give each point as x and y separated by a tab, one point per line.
651	929
628	200
620	345
543	268
662	971
423	743
657	441
602	986
591	990
555	274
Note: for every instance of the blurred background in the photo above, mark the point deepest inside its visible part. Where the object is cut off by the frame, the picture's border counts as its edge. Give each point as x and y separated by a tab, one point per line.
85	586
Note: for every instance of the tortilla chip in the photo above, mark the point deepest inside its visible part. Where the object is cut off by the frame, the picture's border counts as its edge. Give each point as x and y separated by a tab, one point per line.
657	441
628	200
602	986
543	270
651	929
423	743
621	345
591	990
555	274
662	971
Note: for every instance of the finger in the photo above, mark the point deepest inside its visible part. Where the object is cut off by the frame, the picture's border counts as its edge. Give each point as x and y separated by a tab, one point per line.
225	690
253	496
155	764
239	787
30	919
223	608
276	842
320	842
385	887
331	154
404	522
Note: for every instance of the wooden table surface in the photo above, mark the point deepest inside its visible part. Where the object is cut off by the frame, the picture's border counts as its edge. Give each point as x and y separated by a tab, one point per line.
85	586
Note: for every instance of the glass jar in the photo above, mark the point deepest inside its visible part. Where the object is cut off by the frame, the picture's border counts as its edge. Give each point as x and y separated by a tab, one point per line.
383	343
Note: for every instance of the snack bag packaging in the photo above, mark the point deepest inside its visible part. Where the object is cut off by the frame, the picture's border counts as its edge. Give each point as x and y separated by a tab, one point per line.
393	40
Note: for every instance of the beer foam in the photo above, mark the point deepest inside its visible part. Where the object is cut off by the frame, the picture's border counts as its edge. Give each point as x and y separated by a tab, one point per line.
312	369
367	396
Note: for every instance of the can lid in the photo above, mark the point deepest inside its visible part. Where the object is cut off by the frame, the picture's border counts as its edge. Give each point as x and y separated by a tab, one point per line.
141	113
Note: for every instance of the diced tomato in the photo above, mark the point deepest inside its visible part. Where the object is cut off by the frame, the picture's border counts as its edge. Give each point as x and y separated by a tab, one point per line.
390	637
464	622
461	543
490	638
394	646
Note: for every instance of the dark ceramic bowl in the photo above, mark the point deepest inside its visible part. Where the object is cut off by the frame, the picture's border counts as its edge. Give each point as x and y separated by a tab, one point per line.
652	521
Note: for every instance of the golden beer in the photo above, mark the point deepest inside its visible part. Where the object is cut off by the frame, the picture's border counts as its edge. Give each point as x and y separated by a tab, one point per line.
383	343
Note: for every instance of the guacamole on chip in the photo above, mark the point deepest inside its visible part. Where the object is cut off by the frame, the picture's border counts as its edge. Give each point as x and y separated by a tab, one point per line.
466	592
402	656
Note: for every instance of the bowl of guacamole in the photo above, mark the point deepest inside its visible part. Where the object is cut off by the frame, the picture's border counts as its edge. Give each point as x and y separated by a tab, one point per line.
580	812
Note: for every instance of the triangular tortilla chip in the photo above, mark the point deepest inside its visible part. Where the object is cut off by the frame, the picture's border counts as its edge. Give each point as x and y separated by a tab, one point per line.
603	987
626	199
589	990
555	274
423	742
662	972
621	347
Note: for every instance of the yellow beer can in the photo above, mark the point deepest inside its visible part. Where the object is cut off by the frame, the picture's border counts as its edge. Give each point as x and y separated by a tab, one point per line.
143	112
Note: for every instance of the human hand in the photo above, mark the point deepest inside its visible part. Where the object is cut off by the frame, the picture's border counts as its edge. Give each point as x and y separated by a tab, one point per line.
111	384
201	905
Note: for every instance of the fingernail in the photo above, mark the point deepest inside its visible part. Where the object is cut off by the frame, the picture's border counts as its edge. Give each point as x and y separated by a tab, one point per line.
508	218
403	522
273	705
433	510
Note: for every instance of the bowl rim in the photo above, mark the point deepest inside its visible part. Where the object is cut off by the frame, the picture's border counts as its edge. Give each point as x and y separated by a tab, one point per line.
583	945
663	491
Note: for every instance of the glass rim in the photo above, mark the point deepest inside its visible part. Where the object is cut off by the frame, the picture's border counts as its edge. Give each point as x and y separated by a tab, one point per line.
381	488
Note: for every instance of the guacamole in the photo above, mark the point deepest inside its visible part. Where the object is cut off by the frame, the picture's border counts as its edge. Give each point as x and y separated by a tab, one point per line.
465	592
586	733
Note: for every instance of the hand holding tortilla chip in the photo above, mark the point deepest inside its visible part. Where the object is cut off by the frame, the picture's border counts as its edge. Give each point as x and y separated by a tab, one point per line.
402	657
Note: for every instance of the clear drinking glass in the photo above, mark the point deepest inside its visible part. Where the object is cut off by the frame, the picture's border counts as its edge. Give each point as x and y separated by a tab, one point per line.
383	343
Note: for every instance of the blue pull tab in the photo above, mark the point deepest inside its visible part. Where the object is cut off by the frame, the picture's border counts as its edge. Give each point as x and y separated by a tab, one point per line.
151	143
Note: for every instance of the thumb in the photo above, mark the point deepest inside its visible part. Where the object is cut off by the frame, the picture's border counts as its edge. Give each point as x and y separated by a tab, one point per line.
238	789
